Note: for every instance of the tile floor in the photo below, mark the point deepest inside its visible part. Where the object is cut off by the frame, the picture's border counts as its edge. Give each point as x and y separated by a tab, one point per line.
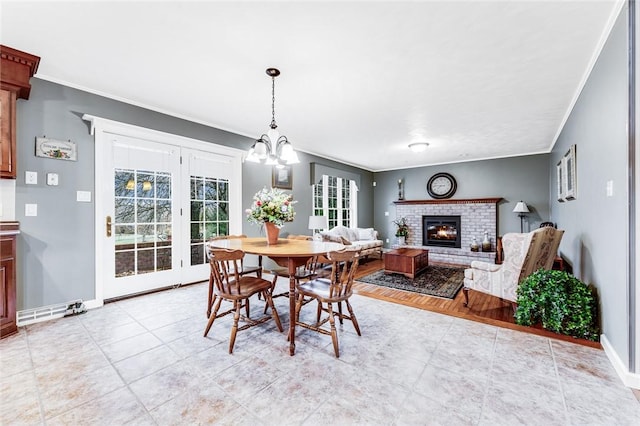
143	361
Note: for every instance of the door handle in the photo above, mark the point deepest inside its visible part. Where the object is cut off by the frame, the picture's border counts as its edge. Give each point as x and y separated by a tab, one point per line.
108	226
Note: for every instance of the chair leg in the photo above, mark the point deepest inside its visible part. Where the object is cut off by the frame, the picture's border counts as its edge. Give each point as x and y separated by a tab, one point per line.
274	313
212	316
334	333
246	308
273	287
299	304
465	291
353	318
234	329
318	312
211	297
297	312
340	312
211	302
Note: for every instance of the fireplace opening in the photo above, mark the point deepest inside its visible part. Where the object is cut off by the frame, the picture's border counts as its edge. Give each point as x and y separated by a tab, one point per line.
441	231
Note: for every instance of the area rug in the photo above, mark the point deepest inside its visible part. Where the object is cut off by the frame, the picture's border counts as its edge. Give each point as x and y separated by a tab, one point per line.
439	281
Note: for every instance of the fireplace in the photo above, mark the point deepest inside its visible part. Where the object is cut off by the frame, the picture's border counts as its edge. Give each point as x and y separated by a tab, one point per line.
441	231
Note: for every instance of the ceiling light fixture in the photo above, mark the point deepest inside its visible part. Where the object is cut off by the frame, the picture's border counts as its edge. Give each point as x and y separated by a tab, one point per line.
418	146
273	148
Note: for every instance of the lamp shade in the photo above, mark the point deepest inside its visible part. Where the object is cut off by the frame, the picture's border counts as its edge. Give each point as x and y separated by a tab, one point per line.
318	222
521	207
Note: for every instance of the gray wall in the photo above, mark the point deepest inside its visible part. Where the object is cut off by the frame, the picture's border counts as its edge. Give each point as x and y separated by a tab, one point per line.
513	179
258	175
56	249
596	226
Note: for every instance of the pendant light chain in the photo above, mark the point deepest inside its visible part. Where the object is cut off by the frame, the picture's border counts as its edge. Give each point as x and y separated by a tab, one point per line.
273	103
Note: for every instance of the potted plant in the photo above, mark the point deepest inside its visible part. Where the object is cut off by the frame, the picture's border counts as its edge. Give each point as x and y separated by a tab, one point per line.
560	301
272	208
402	230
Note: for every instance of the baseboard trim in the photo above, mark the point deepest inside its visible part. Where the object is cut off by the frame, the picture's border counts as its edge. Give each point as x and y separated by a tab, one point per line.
51	312
629	379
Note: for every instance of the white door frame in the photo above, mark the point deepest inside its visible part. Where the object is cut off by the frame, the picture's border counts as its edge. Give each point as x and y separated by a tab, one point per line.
101	128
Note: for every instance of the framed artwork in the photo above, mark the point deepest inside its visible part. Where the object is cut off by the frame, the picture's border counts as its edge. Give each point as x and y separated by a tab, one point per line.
282	177
560	180
570	181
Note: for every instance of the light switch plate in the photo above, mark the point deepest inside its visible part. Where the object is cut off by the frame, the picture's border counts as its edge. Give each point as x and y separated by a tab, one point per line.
609	188
31	178
52	179
31	210
83	196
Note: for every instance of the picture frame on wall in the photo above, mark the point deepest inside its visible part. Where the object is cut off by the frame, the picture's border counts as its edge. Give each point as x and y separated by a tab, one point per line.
56	149
570	181
282	177
560	180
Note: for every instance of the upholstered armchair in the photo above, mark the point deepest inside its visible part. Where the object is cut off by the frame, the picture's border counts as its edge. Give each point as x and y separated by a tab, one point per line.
523	255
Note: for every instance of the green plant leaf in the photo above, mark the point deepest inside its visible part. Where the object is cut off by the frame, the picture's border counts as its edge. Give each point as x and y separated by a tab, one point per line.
560	302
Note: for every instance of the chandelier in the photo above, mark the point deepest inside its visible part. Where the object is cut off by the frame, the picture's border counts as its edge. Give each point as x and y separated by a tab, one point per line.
273	148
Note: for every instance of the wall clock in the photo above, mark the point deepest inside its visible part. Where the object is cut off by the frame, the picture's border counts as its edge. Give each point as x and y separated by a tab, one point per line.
441	185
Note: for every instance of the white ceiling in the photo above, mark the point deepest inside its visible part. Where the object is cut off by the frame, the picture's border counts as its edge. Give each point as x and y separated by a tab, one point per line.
360	80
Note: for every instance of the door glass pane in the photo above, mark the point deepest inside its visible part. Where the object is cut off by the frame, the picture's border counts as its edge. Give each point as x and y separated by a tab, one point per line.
209	213
142	222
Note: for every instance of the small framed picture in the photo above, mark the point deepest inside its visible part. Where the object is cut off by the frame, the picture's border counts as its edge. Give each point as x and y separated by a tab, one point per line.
560	180
570	191
282	177
56	149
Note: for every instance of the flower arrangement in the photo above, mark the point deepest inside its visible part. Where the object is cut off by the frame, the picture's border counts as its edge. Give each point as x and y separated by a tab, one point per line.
402	229
271	205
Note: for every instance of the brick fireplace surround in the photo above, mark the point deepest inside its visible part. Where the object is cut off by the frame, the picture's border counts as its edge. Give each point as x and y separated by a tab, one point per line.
476	217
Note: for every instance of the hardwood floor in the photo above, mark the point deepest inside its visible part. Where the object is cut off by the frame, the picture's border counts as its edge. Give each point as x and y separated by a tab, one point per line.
482	307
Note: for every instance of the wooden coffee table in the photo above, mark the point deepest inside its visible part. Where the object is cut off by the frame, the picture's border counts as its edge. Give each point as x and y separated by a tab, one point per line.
407	261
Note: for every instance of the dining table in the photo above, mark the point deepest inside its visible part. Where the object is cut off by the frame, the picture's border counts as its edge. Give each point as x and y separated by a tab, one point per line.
288	253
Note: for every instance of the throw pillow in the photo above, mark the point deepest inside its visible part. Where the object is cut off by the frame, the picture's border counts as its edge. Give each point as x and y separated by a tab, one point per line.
328	236
344	241
352	234
366	234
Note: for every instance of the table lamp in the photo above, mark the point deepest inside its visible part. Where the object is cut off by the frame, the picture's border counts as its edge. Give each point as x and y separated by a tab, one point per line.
318	222
521	208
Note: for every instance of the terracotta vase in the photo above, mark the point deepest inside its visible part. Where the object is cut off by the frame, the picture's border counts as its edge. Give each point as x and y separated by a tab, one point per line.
272	233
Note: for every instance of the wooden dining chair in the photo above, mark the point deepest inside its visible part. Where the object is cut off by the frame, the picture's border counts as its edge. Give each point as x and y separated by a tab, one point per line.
334	289
231	286
244	269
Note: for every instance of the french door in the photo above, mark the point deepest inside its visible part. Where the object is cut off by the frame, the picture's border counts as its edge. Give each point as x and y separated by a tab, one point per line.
159	198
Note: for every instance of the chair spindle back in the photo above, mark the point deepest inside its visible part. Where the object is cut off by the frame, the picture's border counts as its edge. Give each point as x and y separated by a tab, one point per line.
225	267
344	264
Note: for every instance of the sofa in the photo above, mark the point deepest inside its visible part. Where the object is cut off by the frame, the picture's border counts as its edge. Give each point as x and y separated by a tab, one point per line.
366	239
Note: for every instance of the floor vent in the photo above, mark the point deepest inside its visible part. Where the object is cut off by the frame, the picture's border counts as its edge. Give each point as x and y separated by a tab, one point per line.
46	313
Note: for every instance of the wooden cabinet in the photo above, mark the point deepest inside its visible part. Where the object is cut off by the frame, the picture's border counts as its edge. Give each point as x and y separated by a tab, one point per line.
8	234
406	261
16	68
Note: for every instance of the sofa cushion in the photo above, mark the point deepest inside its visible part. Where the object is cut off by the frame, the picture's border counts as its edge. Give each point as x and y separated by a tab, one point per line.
366	234
350	234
